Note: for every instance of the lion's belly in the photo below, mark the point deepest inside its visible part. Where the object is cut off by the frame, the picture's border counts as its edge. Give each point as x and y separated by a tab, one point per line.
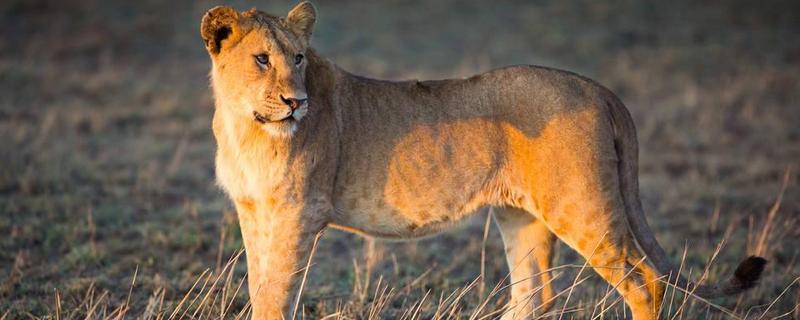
428	179
388	222
400	206
407	207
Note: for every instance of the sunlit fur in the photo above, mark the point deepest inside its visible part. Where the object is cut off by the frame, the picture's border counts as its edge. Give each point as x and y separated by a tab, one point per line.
551	153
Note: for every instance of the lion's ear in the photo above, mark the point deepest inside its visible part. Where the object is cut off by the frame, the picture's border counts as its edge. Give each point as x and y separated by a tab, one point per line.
301	19
219	23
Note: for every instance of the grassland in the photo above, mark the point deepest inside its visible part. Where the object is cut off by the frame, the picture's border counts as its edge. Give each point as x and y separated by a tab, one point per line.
108	206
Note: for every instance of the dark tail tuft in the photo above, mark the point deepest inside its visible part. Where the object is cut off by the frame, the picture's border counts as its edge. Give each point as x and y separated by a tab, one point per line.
748	272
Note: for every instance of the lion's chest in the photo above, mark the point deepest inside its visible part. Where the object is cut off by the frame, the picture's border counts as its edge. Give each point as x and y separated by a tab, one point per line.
248	172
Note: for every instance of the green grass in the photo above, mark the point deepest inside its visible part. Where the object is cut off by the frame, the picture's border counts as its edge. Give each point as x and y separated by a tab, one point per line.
107	152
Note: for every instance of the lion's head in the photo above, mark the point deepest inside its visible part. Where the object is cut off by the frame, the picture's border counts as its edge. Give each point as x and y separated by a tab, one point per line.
259	63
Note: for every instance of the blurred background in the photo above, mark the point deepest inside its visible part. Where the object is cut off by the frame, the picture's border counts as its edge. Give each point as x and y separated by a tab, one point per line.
108	205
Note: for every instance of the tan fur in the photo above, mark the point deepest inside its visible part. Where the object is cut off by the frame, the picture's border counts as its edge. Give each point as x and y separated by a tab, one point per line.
408	159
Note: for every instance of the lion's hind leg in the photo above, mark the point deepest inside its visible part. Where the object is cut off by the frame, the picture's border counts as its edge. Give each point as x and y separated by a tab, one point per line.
528	245
597	229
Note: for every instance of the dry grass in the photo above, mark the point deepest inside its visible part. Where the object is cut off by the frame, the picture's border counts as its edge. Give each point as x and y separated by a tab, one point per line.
108	207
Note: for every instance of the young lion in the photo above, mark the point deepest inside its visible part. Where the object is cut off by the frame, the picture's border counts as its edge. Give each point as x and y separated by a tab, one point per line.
303	145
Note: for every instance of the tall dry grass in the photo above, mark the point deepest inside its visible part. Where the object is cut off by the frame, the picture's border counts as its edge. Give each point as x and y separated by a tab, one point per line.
215	292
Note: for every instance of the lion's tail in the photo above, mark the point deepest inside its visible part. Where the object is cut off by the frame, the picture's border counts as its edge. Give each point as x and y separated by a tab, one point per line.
747	273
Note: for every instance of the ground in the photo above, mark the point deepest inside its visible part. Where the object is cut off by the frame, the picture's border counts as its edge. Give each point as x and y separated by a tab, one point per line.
108	205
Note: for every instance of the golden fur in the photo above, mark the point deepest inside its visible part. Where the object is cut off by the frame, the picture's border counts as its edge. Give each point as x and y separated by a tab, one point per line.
552	153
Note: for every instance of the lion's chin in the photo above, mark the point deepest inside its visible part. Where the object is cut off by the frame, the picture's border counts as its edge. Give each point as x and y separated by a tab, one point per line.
281	129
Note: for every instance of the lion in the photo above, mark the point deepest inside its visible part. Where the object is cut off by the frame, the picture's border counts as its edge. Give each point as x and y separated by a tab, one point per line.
303	145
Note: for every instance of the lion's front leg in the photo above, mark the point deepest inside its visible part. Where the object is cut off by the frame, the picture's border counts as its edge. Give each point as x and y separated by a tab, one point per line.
278	240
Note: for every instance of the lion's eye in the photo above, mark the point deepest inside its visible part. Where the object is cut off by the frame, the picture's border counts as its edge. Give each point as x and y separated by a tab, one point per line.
298	59
262	59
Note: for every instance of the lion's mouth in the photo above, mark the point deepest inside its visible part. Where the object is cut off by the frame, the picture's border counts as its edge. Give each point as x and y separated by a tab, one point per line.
260	118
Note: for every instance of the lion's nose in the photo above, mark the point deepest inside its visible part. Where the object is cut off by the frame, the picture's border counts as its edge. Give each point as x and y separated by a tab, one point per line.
294	103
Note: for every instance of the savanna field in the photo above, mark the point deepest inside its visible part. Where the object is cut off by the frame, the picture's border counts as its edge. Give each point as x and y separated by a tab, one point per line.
109	208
